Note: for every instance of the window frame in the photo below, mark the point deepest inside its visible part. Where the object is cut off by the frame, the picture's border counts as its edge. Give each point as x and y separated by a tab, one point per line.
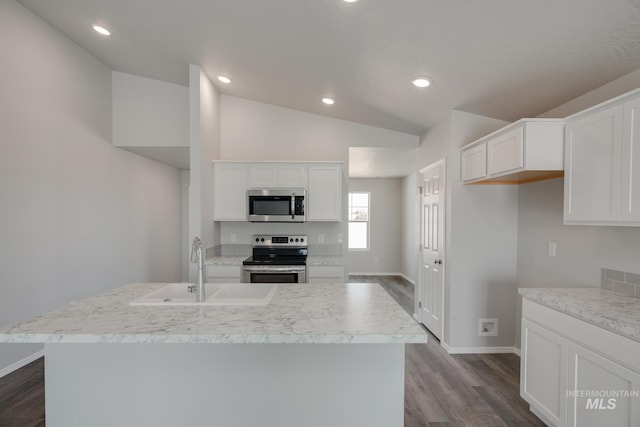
368	221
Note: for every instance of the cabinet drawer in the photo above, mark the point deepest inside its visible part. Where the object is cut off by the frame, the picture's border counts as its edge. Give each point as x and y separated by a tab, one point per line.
223	271
326	272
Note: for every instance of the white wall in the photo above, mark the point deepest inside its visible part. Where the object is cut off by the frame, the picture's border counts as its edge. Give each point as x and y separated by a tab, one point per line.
256	131
149	113
480	249
205	146
410	228
78	216
385	227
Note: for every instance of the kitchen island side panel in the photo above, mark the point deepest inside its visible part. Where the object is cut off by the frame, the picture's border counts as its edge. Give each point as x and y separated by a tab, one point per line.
314	385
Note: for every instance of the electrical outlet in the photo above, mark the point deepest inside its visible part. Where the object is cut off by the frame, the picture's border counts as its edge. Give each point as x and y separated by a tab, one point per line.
320	238
234	238
340	237
551	249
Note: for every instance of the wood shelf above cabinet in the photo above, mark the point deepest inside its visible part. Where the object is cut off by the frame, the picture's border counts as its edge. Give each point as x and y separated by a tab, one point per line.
525	151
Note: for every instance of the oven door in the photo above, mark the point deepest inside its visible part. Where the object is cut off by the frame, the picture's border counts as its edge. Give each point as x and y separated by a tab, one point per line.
274	274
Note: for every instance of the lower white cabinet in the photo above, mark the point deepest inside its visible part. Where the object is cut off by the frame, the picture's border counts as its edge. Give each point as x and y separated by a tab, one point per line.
543	371
325	274
576	374
224	274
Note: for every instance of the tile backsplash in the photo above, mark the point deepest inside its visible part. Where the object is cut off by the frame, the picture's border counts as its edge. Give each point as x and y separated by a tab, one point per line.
621	281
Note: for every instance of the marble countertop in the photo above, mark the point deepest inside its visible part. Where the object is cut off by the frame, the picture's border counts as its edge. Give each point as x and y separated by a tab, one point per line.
609	310
323	313
225	260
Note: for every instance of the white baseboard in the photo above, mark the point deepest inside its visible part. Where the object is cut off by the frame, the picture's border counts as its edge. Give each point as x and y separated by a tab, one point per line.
407	279
20	363
479	350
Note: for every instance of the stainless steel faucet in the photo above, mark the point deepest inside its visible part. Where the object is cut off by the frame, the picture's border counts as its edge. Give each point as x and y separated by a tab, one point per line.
197	256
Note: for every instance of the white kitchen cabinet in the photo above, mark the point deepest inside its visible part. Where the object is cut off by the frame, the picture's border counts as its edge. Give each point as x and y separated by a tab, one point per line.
569	370
324	195
277	175
543	371
474	163
229	191
524	151
589	371
630	172
602	164
325	274
223	274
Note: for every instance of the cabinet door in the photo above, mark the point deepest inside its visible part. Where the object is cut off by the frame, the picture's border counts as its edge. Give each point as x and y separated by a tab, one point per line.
325	274
263	175
592	167
601	392
229	192
506	152
292	176
630	210
324	198
543	371
473	163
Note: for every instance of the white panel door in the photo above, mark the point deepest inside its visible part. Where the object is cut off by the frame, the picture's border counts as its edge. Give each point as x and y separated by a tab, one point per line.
431	282
592	167
630	211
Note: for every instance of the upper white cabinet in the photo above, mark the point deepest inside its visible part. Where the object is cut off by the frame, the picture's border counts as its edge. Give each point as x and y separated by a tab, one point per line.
277	175
229	191
527	150
602	172
323	182
324	195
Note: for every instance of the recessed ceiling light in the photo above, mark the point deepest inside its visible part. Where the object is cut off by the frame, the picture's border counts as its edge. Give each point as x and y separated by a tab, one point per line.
328	101
101	30
421	82
351	1
224	79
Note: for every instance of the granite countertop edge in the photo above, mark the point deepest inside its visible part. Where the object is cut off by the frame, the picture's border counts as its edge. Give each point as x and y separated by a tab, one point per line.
609	310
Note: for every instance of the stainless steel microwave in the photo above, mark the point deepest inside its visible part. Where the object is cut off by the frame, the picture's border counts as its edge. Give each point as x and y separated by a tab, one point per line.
276	205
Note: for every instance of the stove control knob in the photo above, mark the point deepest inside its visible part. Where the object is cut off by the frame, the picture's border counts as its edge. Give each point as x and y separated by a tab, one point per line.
291	240
302	240
262	239
257	239
296	239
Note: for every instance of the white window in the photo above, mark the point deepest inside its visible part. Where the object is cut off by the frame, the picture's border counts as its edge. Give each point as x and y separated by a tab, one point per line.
358	221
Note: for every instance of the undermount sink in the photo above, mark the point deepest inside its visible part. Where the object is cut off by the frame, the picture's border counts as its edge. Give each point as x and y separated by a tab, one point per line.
216	294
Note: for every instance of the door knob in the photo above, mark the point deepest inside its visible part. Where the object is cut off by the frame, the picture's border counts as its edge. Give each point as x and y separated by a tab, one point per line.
437	261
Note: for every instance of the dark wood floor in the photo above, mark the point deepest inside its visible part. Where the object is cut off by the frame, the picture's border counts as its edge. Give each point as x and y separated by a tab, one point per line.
441	390
22	397
456	390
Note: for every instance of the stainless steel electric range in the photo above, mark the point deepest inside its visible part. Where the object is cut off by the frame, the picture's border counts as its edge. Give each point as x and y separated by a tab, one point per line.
276	259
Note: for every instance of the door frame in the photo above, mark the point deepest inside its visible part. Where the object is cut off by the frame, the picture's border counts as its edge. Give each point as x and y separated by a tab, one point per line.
443	203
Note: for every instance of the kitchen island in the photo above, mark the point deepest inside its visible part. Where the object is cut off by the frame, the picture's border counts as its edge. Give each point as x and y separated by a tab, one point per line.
317	355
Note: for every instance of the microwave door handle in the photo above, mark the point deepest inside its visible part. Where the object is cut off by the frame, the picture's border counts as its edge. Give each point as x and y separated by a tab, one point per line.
292	206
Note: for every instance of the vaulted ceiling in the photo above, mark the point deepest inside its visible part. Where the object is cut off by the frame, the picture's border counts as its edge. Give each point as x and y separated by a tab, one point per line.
505	59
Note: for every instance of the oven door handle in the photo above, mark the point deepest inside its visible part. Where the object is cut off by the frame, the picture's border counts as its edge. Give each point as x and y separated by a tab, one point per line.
273	269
